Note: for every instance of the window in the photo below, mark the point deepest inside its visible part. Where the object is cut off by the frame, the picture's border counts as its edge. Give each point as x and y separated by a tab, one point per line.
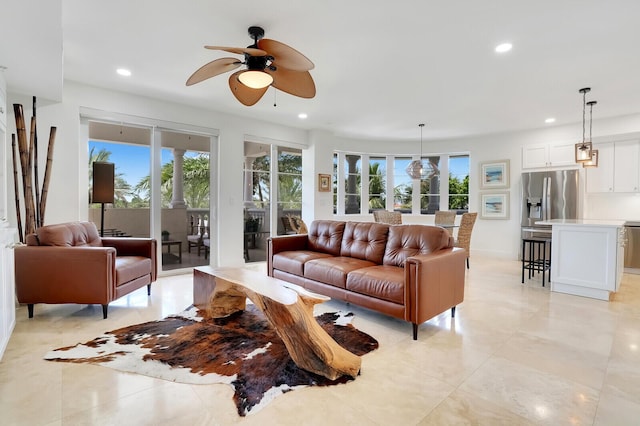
459	182
377	183
388	173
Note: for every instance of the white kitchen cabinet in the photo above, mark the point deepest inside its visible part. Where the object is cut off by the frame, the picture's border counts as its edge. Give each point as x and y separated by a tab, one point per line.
626	177
617	169
586	257
548	155
600	179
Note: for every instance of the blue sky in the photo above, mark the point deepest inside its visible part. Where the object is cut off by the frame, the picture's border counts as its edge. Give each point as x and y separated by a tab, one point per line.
132	161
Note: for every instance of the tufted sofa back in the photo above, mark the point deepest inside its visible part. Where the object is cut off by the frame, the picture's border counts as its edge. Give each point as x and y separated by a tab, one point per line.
364	240
325	236
409	240
72	234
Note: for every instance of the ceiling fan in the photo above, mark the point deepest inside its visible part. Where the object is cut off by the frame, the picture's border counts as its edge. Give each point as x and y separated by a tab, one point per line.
268	63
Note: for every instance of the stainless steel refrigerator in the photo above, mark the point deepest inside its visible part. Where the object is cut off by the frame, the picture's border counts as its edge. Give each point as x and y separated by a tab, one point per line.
547	195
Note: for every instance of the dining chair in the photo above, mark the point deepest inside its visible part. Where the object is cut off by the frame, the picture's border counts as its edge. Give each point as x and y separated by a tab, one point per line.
445	217
385	216
464	232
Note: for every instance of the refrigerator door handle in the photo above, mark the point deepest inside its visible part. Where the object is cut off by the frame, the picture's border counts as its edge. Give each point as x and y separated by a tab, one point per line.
548	199
544	199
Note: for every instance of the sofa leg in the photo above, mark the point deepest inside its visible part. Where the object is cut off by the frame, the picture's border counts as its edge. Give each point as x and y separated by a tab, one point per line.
30	309
453	312
415	331
104	311
148	289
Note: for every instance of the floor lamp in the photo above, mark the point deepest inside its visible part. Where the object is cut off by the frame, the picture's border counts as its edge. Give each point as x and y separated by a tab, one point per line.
103	187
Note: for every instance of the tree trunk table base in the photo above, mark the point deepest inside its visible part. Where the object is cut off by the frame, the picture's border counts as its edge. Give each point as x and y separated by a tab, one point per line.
288	307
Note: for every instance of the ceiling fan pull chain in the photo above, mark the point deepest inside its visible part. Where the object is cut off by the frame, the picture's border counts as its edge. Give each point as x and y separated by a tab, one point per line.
274	96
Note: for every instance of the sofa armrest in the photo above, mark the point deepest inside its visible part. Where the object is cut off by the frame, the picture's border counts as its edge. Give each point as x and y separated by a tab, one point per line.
46	274
282	243
434	283
144	247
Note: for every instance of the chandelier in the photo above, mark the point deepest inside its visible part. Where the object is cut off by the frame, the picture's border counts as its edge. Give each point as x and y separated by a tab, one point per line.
416	169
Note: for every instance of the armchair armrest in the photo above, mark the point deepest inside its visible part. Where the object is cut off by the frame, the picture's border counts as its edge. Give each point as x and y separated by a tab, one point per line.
46	274
435	283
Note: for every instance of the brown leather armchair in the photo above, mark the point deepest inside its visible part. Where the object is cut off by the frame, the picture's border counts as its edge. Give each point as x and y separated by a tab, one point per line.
71	263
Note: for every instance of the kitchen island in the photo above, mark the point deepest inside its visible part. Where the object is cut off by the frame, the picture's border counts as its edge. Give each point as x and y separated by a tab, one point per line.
586	256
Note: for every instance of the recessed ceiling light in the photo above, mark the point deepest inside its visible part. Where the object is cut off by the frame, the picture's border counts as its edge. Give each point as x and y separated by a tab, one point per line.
302	115
550	120
504	47
124	72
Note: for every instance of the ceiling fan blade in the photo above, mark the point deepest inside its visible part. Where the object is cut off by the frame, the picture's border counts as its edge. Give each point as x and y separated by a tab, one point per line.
212	69
286	56
296	83
246	95
239	50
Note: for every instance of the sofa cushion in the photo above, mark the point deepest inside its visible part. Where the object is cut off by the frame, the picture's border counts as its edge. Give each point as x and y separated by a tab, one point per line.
409	240
72	234
364	240
293	261
325	236
333	270
380	281
129	268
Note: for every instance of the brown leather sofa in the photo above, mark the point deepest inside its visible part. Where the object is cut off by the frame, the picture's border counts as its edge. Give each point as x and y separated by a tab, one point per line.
71	263
411	272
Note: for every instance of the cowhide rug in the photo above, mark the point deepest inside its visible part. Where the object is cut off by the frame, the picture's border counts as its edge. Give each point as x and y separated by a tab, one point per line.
242	350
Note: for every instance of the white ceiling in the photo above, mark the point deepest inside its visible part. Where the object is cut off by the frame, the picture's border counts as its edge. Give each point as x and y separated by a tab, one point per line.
381	67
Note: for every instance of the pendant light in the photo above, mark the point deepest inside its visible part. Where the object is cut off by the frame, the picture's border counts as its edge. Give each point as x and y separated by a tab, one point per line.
593	161
583	149
415	169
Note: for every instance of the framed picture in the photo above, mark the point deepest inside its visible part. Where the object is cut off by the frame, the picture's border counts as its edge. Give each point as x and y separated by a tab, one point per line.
495	205
324	183
494	174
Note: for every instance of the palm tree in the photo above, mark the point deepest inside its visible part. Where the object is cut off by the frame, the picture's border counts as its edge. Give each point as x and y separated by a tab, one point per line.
377	199
196	182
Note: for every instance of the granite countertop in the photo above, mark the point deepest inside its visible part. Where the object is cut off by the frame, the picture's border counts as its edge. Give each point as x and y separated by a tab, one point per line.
595	222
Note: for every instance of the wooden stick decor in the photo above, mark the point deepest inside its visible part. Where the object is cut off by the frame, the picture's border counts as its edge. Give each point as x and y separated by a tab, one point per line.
27	150
15	186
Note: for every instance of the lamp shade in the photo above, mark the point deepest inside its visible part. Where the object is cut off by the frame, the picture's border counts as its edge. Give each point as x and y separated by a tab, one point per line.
583	151
255	79
415	169
103	182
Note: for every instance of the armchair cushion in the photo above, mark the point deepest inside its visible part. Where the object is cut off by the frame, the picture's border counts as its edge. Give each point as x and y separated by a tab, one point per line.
75	234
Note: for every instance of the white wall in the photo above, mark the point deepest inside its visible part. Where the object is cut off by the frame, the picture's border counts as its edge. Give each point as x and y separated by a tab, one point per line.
498	237
68	199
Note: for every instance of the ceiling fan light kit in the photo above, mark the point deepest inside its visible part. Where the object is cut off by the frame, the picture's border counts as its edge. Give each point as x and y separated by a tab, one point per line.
255	79
268	63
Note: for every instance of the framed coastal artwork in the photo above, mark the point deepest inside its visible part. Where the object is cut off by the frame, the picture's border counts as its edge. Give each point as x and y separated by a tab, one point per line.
495	205
494	174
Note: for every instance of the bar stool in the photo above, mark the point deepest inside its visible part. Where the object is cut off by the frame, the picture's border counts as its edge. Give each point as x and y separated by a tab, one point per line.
537	260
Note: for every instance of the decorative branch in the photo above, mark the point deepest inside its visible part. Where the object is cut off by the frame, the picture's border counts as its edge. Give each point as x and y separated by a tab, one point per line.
47	173
36	182
16	189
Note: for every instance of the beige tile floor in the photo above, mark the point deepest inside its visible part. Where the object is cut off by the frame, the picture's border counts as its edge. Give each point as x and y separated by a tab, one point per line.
514	355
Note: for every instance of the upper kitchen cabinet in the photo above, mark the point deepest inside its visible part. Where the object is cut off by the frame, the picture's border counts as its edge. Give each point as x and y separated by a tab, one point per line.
617	169
548	155
600	179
